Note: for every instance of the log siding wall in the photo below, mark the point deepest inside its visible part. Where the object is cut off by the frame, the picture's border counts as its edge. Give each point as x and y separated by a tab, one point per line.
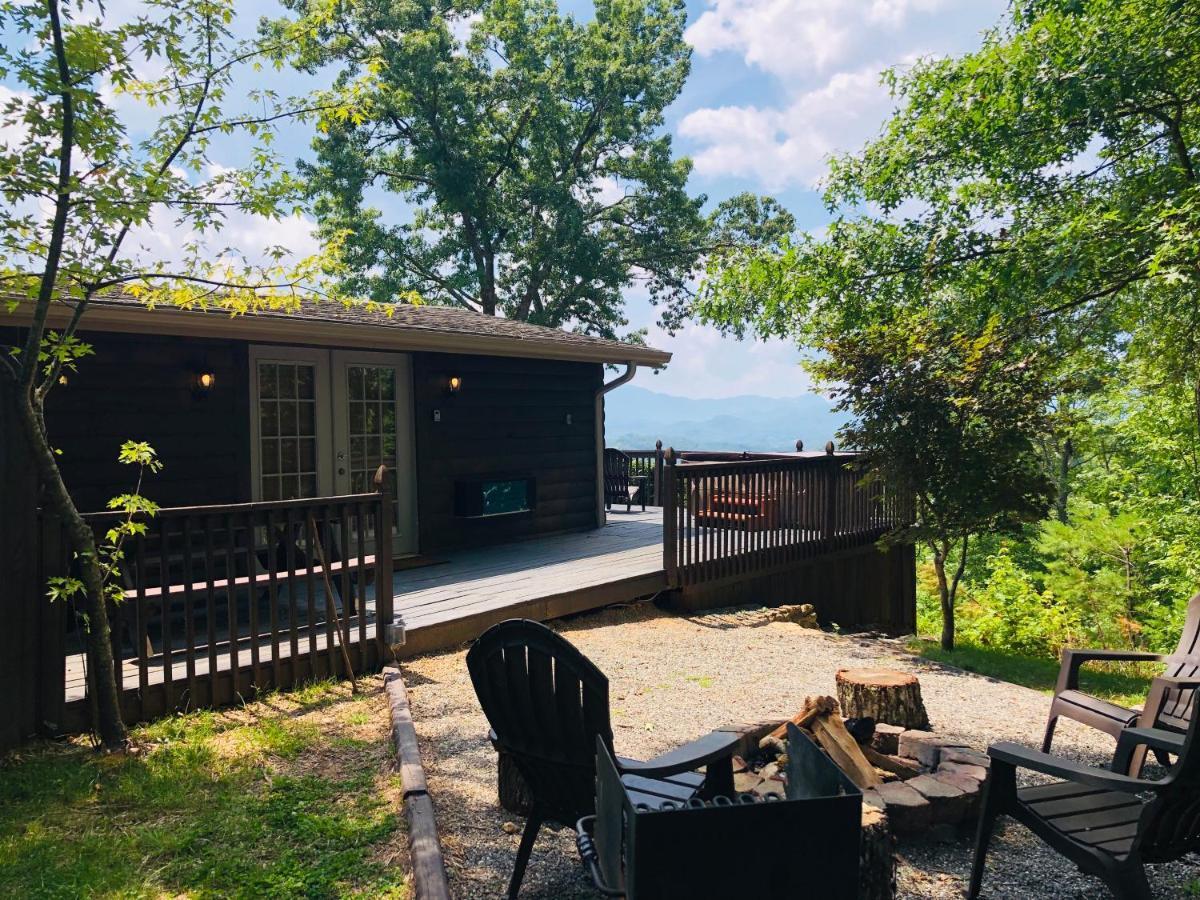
509	420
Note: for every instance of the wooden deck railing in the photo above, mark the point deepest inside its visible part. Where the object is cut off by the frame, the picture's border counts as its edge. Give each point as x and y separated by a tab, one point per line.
743	517
222	601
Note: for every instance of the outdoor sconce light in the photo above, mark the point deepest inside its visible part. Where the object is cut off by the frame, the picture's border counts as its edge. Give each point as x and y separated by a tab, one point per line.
63	380
202	383
454	384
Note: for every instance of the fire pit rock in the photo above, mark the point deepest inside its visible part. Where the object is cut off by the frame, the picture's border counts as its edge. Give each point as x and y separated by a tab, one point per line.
946	778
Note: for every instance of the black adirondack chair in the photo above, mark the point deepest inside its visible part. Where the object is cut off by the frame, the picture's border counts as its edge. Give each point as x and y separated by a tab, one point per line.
1168	706
1107	823
619	485
547	704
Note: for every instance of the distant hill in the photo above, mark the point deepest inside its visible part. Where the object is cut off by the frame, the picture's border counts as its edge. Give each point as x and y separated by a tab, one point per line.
636	417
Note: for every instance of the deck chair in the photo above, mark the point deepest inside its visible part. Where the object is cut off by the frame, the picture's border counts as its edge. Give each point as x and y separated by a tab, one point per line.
1107	823
619	485
1169	706
547	704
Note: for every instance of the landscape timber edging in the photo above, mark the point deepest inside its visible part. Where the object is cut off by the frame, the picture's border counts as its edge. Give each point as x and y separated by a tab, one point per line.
424	847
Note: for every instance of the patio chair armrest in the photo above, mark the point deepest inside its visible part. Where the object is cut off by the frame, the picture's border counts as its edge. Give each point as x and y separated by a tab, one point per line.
711	748
1073	660
1017	756
1153	738
1157	738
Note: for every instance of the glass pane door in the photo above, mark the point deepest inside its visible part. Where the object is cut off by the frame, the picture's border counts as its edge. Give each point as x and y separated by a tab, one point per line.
287	442
289	419
371	399
373	426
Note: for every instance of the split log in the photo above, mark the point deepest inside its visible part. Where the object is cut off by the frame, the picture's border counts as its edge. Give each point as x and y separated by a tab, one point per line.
897	765
835	740
813	707
876	857
884	695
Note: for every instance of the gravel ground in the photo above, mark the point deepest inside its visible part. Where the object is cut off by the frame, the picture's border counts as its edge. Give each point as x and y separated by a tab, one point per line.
673	679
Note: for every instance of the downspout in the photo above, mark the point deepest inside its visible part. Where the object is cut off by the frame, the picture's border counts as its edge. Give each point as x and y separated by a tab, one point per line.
627	375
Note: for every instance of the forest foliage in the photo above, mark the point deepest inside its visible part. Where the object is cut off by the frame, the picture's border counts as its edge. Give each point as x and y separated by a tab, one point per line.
1036	199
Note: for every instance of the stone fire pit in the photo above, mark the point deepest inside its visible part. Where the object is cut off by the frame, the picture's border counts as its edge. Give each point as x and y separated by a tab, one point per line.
921	780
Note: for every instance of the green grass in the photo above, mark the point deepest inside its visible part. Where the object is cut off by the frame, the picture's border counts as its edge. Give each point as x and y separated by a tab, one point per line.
1125	683
288	797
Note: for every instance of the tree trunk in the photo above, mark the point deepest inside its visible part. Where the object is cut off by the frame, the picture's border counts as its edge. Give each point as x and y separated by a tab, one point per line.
103	686
1064	480
882	695
515	795
876	856
939	567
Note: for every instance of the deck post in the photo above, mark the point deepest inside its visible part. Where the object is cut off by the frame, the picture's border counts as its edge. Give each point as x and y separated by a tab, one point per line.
831	479
383	562
658	473
670	501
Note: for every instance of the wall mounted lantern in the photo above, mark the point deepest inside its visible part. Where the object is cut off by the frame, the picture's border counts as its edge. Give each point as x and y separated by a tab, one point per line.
203	382
454	384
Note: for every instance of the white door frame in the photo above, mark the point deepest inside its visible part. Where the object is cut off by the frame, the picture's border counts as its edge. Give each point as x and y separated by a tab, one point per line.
319	359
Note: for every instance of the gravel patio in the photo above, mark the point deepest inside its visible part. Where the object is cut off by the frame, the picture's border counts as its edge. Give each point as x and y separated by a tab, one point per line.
673	679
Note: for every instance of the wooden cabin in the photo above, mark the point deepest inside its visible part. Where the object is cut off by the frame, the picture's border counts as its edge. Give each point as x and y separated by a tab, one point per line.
344	486
493	428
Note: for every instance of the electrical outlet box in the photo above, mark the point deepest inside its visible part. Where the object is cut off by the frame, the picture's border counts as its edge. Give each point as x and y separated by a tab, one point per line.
570	419
437	415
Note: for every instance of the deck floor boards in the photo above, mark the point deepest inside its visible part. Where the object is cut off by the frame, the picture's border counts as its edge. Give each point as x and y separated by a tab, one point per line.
452	601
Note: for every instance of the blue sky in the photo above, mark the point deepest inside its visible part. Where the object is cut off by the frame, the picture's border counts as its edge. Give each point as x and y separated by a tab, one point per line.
776	87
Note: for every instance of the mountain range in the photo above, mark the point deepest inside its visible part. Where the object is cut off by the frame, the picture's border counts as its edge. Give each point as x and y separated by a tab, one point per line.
636	417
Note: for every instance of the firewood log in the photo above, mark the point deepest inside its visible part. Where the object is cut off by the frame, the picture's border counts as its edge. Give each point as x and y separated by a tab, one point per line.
813	707
835	740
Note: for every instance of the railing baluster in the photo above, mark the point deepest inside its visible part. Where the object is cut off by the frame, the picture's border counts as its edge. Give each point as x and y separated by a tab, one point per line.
143	636
210	609
252	564
347	585
164	581
233	621
273	598
312	608
327	581
189	612
293	608
359	522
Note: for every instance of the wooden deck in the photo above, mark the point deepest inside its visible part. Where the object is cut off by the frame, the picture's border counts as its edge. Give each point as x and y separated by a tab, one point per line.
456	599
447	604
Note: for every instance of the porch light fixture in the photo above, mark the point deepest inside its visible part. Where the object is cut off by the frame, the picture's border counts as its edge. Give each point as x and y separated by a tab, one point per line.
202	383
454	384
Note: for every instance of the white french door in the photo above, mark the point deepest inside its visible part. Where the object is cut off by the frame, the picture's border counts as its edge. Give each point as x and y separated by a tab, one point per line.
372	425
323	421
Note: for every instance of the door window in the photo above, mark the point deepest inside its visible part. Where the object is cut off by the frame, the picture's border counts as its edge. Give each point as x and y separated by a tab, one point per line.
287	429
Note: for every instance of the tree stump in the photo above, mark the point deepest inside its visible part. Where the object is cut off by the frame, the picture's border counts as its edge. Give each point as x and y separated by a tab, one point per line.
884	695
876	857
514	792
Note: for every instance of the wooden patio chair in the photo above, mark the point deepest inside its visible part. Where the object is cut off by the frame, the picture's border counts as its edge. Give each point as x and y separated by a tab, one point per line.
619	485
547	704
1169	706
1107	823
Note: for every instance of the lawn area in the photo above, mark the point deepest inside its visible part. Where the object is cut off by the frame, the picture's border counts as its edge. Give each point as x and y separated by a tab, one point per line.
293	795
1123	683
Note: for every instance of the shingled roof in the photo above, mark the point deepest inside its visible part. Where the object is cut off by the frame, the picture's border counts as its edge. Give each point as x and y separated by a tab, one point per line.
434	328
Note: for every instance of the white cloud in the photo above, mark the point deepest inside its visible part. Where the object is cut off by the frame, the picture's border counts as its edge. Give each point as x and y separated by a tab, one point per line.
707	365
780	147
793	37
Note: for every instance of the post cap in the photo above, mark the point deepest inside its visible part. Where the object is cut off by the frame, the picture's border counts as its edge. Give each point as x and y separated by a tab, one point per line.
829	448
799	445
